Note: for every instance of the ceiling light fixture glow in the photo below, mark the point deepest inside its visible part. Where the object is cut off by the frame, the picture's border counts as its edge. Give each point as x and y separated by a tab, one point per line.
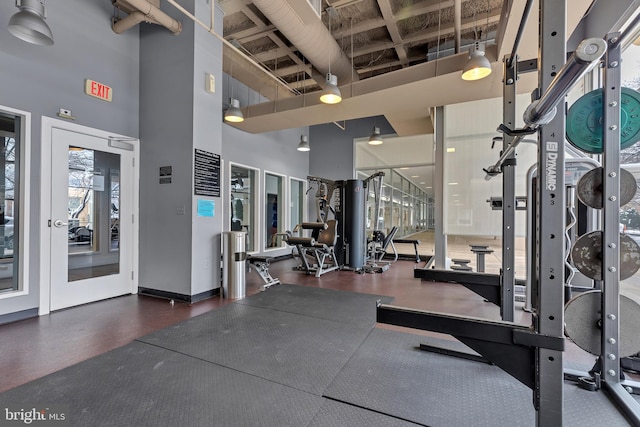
478	66
331	93
375	138
233	113
304	143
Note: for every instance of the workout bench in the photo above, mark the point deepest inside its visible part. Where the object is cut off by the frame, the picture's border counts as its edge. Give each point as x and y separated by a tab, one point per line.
412	241
261	264
320	246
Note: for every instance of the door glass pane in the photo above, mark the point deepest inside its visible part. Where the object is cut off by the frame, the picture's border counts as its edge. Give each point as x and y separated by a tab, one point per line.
274	223
297	202
9	196
243	185
94	203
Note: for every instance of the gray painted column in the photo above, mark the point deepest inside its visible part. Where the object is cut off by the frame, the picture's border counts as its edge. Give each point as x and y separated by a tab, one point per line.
179	250
438	187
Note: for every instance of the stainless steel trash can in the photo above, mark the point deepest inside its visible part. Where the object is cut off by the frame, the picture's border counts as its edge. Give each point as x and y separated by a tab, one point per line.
234	256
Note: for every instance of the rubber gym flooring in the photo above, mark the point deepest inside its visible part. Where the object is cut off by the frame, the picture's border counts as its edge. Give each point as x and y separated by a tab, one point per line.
293	356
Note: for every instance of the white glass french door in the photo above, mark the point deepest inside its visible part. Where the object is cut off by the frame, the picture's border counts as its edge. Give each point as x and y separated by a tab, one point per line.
91	218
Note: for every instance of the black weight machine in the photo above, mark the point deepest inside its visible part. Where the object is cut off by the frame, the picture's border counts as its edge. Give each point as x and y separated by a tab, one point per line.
348	248
534	354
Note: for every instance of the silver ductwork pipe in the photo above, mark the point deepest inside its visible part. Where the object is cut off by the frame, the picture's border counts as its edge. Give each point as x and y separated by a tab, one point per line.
297	20
150	13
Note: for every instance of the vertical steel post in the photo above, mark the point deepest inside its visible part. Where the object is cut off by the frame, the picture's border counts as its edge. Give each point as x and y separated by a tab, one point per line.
507	305
440	251
611	213
548	393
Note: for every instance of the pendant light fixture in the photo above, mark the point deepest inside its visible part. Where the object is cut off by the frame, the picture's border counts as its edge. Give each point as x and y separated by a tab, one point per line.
28	24
331	93
304	143
233	114
375	138
478	66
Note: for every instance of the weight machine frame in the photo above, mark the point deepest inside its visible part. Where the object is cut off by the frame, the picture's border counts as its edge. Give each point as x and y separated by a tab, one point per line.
534	354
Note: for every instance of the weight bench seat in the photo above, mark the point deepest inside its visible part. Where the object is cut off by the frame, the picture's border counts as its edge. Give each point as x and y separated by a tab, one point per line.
261	264
415	244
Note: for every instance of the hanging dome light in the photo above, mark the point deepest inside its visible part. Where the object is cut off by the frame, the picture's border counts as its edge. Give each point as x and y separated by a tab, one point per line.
304	143
331	93
375	138
478	66
28	24
233	113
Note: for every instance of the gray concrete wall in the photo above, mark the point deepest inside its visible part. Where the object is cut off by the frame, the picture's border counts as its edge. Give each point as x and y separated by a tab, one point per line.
42	79
178	249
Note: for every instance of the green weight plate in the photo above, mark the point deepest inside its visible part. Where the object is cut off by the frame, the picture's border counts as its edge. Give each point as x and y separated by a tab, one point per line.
589	188
583	318
586	255
584	121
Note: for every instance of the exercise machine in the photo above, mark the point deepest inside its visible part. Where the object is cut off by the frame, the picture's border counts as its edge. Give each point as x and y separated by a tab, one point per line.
315	254
261	265
534	354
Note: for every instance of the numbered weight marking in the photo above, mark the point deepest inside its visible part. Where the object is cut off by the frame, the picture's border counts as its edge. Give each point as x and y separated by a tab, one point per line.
584	121
586	255
583	323
589	188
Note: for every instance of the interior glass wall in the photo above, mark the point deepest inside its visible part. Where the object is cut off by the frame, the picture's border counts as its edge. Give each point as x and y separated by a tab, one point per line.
468	216
297	202
403	204
243	203
10	147
274	210
630	160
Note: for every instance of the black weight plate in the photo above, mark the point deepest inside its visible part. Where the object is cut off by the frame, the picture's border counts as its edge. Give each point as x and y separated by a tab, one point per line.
586	255
589	188
584	121
582	319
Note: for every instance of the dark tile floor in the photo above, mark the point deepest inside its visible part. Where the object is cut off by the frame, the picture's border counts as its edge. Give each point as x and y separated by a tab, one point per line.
36	347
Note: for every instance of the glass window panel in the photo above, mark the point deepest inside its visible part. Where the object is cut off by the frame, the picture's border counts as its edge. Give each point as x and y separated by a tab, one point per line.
274	212
93	206
297	202
242	210
9	193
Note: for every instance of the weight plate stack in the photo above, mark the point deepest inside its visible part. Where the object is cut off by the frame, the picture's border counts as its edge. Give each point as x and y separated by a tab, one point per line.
583	323
586	255
589	188
584	121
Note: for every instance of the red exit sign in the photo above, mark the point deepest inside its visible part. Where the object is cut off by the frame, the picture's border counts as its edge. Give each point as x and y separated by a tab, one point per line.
98	90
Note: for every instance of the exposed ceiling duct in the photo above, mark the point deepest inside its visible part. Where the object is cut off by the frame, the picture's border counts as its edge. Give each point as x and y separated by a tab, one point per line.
299	22
143	11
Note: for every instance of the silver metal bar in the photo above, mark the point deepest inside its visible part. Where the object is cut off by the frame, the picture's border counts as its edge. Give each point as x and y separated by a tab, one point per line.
507	152
611	214
507	306
523	22
586	56
628	33
440	253
548	394
624	401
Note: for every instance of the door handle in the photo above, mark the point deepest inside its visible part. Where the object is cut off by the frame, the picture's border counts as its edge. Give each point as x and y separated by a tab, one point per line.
59	223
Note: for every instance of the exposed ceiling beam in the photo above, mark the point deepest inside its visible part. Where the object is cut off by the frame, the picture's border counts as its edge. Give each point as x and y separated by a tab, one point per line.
396	38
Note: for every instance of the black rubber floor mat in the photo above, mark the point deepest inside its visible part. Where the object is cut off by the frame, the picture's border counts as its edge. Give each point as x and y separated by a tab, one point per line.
388	374
336	414
291	349
345	307
143	385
